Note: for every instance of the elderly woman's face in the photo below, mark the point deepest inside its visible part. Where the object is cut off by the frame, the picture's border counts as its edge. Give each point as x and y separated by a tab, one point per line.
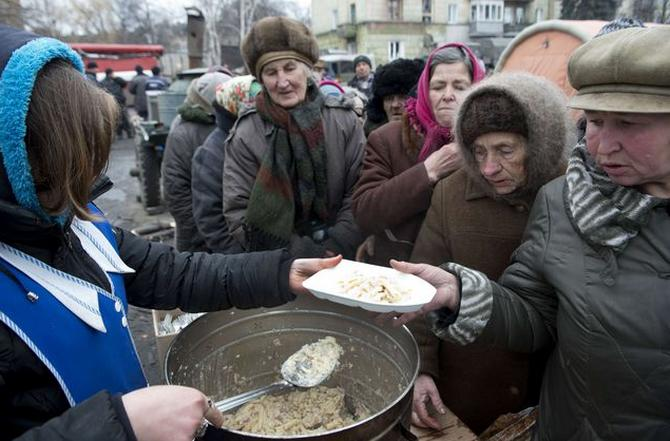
286	82
502	160
632	148
448	86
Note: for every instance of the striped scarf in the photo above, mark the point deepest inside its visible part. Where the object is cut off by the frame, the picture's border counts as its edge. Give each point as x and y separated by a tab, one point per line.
295	162
605	214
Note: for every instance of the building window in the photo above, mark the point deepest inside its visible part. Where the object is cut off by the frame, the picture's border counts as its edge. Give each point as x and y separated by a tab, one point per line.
519	15
539	15
352	13
509	15
473	13
396	50
334	19
395	10
427	11
452	13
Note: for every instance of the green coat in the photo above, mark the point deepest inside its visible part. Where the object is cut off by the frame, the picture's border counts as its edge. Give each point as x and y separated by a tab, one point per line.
608	377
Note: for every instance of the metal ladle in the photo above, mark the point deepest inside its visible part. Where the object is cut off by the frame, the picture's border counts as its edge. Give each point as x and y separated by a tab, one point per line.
310	366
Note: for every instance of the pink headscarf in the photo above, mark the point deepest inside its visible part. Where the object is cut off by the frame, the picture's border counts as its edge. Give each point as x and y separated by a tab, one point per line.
420	111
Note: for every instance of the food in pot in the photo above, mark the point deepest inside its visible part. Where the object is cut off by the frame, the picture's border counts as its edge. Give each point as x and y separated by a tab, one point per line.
313	363
374	288
299	412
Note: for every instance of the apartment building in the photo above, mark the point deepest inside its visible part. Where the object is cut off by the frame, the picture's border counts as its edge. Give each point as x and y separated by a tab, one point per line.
390	29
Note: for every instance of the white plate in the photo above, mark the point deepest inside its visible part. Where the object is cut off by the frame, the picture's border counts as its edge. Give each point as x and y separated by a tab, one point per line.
326	285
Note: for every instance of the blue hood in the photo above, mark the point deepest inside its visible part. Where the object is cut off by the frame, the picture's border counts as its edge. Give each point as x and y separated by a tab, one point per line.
22	56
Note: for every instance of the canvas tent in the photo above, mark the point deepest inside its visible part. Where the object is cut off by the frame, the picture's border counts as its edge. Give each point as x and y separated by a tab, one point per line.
544	49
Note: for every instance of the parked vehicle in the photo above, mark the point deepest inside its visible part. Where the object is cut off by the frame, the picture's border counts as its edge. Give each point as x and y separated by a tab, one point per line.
152	136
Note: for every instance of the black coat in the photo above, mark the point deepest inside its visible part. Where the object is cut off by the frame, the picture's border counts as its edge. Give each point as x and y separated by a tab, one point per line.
164	279
207	187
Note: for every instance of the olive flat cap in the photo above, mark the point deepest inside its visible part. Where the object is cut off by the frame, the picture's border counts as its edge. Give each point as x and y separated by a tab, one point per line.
277	38
623	71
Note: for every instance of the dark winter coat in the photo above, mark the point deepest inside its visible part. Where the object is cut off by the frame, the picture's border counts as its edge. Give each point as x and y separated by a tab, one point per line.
164	279
115	85
469	224
393	192
207	187
137	87
344	141
607	378
187	133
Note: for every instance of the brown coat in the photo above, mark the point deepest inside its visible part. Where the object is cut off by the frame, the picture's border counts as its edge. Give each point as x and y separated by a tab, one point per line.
245	148
464	225
469	224
393	192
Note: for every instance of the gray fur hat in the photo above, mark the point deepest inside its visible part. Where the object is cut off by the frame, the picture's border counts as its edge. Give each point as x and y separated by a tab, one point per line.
276	38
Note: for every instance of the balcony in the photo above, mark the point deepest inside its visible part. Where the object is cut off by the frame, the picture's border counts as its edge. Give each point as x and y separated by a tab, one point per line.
483	28
347	31
514	28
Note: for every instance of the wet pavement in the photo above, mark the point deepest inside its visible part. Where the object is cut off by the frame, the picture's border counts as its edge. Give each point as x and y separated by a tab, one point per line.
123	209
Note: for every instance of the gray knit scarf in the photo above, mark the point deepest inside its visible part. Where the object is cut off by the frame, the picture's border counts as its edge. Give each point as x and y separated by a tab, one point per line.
605	214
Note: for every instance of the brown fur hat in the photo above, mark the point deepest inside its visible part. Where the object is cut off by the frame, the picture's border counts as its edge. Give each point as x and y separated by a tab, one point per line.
492	112
275	38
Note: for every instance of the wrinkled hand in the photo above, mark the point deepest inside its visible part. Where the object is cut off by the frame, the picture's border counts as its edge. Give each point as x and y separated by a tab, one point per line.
443	161
302	269
426	392
158	413
448	293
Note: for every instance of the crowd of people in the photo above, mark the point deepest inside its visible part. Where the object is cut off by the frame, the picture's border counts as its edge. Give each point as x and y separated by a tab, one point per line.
547	244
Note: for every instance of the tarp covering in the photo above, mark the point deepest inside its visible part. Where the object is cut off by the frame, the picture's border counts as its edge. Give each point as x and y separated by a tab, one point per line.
544	49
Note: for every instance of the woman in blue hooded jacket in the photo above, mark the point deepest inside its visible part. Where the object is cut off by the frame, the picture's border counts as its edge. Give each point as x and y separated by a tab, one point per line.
68	366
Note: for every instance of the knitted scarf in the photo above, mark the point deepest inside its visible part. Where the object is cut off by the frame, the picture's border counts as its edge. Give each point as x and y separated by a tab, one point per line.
420	111
605	214
295	162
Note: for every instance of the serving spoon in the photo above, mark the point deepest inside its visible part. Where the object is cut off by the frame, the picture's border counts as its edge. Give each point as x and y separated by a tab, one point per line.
310	366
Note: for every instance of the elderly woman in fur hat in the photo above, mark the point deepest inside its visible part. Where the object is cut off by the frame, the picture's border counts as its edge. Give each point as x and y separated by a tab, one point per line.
194	122
292	161
591	278
514	132
405	159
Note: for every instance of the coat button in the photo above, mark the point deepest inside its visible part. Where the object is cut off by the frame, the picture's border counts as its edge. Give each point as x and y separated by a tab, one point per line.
124	322
117	306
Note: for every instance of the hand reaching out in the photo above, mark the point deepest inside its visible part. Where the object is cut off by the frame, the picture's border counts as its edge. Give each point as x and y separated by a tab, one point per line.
302	269
426	392
447	286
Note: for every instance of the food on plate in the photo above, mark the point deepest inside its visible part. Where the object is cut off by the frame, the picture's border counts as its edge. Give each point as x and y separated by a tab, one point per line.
374	288
299	412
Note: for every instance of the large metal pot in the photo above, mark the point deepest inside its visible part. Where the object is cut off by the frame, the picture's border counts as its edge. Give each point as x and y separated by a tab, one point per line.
229	352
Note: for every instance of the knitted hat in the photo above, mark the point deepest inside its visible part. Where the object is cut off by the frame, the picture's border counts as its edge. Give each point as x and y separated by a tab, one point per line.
238	93
276	38
395	78
362	59
202	91
488	113
623	71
